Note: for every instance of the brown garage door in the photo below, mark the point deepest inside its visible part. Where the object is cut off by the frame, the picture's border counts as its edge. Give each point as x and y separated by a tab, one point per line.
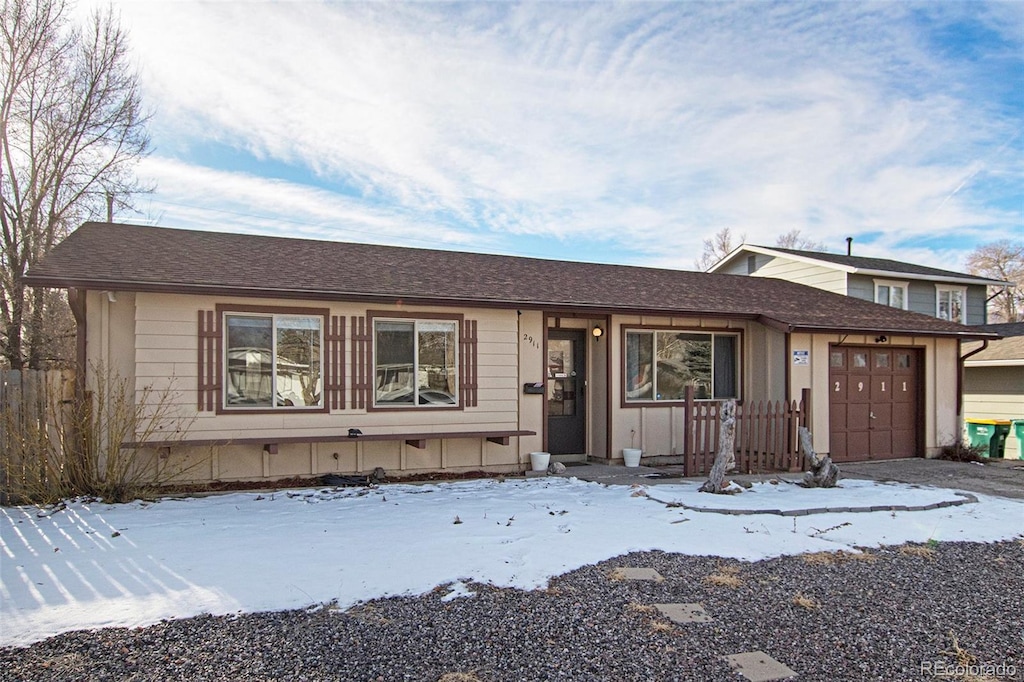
874	402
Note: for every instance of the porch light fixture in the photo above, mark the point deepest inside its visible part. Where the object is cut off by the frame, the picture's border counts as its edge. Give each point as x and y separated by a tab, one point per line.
881	339
597	332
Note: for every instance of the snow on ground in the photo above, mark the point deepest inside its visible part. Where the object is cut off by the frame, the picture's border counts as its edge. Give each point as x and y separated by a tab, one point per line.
95	565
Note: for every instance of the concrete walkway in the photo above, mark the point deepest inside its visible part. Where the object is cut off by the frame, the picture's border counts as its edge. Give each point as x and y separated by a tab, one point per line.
1004	478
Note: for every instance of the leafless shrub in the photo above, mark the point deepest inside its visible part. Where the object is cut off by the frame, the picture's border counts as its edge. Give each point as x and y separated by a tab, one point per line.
77	448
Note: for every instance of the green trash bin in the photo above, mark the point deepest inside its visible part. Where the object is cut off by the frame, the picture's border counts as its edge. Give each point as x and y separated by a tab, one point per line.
990	434
1018	430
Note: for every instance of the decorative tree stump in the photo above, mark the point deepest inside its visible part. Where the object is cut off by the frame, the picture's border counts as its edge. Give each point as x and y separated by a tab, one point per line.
823	471
725	458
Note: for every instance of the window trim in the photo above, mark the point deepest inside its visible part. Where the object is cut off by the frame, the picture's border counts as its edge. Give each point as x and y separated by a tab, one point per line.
371	359
941	289
222	310
625	330
894	283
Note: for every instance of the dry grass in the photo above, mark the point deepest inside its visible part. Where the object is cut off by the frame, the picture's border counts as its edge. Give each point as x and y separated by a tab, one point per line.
458	677
725	576
803	601
655	622
922	551
966	659
641	608
617	574
830	558
368	614
620	574
660	626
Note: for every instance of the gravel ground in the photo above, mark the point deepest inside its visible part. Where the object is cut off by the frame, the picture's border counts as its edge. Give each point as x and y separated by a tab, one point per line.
880	618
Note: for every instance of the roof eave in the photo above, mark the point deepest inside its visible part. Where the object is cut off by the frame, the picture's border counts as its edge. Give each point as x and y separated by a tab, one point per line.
889	331
372	297
898	275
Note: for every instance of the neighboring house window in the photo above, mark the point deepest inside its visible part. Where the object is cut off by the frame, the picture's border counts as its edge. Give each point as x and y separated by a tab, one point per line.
950	303
273	361
660	364
415	362
751	264
893	294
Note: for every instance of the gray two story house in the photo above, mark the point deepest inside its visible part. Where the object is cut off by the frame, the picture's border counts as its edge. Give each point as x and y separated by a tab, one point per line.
947	295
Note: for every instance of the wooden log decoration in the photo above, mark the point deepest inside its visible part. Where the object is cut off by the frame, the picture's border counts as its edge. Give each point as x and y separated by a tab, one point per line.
823	473
725	454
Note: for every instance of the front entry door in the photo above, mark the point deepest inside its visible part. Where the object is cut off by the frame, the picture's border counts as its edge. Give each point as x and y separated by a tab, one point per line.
565	393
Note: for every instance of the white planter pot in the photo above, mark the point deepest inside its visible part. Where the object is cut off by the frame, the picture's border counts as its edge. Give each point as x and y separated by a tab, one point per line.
539	460
632	456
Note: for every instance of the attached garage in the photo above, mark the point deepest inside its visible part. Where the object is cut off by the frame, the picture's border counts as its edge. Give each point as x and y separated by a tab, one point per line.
875	402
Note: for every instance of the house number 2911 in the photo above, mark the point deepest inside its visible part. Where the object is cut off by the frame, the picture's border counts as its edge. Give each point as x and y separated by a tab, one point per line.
530	340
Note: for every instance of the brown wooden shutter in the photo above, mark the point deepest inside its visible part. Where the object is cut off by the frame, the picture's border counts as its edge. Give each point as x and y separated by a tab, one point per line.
362	361
468	364
210	368
334	383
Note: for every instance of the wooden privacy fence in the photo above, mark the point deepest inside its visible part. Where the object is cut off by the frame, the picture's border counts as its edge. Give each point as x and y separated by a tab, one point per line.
766	434
32	404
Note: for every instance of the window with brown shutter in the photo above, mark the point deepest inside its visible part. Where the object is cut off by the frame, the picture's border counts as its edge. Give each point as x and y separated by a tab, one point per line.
254	359
416	361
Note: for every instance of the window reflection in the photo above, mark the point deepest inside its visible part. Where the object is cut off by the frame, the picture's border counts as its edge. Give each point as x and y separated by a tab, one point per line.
415	362
273	361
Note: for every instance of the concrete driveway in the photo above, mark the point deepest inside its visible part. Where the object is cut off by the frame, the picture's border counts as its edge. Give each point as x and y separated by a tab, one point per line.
1003	477
996	477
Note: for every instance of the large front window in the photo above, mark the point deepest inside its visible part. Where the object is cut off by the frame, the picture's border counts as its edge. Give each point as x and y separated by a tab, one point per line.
660	364
415	362
273	361
950	303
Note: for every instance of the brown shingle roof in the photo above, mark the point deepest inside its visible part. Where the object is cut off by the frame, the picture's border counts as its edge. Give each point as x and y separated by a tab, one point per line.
134	258
882	265
1008	350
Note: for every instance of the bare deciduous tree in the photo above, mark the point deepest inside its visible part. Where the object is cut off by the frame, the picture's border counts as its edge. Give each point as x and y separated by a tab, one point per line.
794	240
717	247
1002	260
72	130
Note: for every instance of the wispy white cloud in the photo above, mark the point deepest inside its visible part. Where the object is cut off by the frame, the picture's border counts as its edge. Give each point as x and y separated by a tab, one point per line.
645	127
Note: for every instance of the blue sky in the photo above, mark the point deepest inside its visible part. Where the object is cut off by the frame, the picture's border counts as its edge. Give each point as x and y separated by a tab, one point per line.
622	133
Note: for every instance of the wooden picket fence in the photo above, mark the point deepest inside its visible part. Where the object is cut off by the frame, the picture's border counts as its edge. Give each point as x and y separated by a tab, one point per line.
32	404
766	434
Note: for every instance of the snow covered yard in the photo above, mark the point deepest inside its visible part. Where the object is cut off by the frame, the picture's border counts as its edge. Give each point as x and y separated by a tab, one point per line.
91	565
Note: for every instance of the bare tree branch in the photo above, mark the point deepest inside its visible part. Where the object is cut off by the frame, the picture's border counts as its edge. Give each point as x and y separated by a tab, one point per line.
72	128
1002	260
717	247
794	240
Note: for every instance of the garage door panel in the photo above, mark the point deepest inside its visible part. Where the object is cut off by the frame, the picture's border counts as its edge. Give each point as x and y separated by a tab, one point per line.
881	444
902	415
904	442
858	417
904	389
881	389
858	446
881	417
858	389
839	450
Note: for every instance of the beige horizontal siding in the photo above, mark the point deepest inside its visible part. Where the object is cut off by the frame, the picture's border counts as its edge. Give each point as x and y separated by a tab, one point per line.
816	276
166	346
996	393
